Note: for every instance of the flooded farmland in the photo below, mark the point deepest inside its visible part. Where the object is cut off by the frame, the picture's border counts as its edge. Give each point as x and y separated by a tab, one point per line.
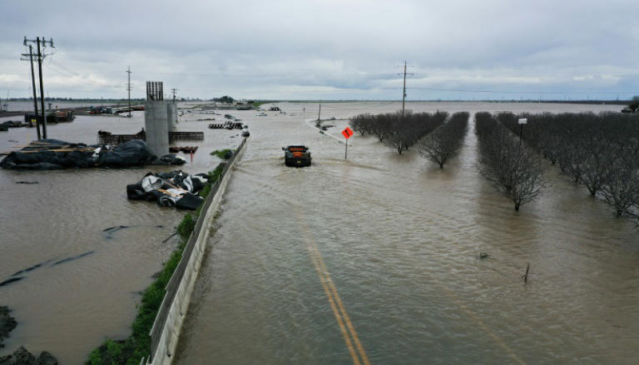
375	259
380	249
70	308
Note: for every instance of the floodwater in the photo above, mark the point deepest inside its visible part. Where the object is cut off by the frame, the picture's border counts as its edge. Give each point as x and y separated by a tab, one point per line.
374	260
70	308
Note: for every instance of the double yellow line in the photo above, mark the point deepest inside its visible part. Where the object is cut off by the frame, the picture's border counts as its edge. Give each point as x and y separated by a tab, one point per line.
353	344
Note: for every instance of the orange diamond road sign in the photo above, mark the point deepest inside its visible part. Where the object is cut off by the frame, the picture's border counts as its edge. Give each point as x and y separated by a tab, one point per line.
347	133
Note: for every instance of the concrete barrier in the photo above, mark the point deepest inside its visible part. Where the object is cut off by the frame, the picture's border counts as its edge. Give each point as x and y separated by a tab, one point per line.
165	333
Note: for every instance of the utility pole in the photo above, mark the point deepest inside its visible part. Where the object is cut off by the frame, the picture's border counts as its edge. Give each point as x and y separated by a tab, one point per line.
404	92
129	89
41	44
319	114
174	91
35	97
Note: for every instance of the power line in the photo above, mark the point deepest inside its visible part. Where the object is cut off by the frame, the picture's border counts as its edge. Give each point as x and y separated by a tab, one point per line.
517	92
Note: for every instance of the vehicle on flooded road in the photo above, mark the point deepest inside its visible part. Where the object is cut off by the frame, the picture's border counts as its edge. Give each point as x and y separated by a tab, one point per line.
297	156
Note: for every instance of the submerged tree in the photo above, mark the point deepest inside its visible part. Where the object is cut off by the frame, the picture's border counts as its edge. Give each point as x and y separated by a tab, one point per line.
396	130
445	142
633	106
509	166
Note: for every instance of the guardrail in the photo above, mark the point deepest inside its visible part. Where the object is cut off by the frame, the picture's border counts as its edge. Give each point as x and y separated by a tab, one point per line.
168	322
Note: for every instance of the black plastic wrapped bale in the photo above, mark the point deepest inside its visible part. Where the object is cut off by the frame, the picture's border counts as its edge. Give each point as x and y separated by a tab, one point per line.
47	160
167	201
146	188
79	159
132	153
189	201
169	159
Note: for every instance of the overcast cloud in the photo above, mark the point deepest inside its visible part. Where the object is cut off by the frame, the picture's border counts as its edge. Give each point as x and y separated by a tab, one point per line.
347	49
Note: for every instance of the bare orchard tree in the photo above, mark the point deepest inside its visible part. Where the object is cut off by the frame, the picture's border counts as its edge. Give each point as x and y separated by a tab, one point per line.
396	130
598	158
361	124
509	166
622	187
445	142
408	129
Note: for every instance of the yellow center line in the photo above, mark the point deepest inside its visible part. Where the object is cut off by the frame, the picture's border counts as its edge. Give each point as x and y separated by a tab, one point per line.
349	324
351	349
333	297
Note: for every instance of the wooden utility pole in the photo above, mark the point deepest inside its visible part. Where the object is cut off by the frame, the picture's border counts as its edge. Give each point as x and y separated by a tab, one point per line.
319	113
404	92
41	44
174	91
44	113
35	96
129	89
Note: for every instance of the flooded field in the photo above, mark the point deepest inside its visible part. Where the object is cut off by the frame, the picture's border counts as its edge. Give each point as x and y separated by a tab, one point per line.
374	260
70	308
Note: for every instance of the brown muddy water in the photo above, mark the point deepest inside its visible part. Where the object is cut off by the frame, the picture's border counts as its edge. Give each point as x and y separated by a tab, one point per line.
70	308
374	260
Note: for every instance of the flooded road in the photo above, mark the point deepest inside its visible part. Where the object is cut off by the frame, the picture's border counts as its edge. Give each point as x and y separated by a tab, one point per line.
375	259
69	308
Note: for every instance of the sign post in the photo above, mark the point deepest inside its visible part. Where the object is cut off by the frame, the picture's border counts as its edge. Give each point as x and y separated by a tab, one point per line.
347	133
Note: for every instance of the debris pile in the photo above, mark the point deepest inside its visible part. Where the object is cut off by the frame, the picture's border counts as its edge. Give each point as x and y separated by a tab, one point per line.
53	154
11	124
169	189
185	149
227	125
108	138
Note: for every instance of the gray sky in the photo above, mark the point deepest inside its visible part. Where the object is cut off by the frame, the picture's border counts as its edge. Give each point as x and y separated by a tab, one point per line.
329	49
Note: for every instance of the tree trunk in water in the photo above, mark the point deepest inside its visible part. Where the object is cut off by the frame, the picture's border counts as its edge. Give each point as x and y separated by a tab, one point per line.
516	207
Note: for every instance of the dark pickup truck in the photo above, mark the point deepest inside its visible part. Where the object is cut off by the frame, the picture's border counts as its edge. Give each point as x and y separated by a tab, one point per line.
297	156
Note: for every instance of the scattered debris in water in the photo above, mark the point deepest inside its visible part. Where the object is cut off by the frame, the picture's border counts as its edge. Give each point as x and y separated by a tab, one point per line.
112	230
27	182
525	276
11	280
73	258
171	236
31	268
483	255
115	229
